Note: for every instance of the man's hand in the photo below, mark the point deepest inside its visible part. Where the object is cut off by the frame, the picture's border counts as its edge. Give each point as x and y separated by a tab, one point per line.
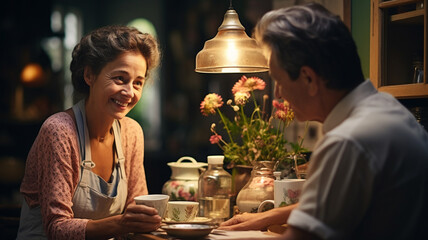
258	221
245	221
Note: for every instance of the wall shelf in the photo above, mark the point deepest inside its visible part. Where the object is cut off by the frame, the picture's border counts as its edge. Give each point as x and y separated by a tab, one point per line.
416	16
398	36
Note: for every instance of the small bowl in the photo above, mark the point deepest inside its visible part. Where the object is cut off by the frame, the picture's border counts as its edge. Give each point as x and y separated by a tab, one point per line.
188	230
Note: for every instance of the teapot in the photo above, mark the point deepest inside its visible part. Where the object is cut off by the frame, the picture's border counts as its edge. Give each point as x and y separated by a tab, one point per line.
183	185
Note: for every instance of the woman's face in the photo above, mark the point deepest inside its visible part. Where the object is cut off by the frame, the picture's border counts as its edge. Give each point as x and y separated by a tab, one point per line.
118	87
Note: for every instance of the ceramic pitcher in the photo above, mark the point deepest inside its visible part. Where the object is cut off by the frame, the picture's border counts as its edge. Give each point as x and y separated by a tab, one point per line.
183	184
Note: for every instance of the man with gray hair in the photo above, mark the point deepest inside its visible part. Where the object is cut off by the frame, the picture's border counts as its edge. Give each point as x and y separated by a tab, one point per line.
368	175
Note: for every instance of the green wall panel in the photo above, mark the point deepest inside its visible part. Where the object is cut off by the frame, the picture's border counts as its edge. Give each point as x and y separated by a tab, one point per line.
360	28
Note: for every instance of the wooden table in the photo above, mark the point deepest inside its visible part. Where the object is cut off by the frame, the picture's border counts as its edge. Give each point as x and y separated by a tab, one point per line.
147	236
273	233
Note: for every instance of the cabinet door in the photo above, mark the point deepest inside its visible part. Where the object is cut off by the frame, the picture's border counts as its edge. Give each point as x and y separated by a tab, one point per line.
398	47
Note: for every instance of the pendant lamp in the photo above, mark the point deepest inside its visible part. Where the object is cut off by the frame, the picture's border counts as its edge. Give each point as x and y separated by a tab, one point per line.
231	50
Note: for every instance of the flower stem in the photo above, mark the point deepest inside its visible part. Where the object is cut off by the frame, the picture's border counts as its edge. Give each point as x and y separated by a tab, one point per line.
255	104
245	122
225	125
304	135
221	147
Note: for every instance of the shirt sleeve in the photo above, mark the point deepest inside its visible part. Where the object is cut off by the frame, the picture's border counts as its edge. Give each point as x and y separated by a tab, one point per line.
133	147
338	190
54	164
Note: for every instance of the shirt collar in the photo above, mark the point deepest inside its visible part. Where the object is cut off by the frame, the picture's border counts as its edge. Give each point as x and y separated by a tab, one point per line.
344	107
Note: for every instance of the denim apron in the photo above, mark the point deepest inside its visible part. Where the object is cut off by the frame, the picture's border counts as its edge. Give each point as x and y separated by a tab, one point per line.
94	198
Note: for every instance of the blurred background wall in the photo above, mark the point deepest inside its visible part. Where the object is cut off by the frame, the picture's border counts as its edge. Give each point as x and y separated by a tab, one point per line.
36	41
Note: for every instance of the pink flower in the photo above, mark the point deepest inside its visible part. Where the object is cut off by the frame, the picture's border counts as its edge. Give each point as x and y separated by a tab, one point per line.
276	104
174	184
214	139
293	194
248	84
210	103
284	106
284	112
281	115
184	194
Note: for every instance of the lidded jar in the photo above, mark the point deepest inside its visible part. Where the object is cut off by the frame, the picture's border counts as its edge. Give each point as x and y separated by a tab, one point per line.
183	185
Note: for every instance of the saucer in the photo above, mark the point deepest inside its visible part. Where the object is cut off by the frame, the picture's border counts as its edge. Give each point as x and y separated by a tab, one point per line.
188	230
196	220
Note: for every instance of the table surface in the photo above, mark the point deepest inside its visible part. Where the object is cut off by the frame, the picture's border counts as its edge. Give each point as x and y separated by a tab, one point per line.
216	234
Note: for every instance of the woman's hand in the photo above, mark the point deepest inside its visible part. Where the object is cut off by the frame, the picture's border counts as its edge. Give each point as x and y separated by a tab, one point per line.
136	218
140	218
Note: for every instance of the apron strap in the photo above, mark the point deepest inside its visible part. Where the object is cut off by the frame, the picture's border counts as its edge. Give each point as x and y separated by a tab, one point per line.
119	150
82	129
85	149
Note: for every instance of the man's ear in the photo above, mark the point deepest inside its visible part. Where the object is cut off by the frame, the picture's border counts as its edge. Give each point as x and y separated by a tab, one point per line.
88	76
311	79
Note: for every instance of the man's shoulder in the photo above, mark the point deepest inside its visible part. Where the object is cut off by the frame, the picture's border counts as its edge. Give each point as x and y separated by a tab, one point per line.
380	128
378	116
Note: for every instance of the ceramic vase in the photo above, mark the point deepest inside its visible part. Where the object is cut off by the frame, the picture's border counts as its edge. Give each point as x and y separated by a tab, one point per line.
183	184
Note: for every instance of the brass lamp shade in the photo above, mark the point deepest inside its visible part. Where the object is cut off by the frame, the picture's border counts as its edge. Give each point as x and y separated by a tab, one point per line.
231	50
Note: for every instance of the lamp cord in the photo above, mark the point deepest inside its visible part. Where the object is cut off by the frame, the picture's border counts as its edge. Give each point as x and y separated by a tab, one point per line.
230	5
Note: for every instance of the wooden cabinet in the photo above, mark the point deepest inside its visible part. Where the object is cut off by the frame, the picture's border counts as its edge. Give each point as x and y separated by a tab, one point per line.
398	36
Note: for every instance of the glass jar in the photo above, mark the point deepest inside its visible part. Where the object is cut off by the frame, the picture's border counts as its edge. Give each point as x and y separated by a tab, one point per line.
258	188
215	186
300	165
418	72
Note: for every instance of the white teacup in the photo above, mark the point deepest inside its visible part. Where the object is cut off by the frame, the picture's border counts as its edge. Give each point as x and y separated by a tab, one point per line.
157	201
182	211
286	192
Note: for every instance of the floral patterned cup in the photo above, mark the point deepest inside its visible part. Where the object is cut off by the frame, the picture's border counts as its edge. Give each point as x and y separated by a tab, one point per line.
286	192
182	211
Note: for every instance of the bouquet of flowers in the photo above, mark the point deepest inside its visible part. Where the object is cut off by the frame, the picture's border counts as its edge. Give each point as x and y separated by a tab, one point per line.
256	137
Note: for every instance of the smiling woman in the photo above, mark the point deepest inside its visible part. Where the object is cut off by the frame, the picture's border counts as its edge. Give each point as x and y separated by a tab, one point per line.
86	164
